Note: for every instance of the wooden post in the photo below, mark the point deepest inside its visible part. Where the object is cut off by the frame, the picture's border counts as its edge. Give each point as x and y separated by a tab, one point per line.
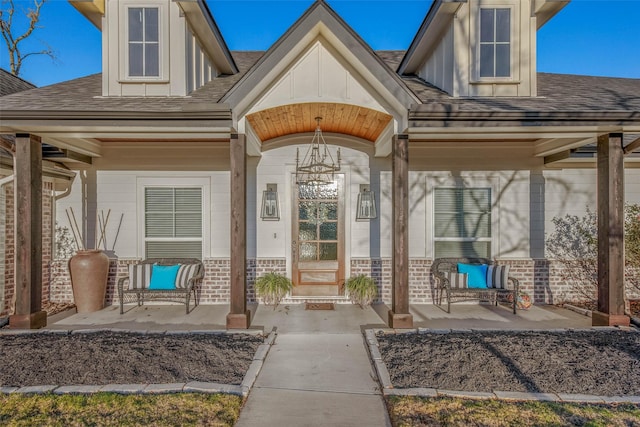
399	316
610	233
239	317
28	236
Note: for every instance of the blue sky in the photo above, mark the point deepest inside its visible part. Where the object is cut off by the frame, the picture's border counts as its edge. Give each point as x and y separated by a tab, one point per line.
594	37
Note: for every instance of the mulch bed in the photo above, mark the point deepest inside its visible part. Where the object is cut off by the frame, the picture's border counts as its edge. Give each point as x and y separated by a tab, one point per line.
103	358
605	363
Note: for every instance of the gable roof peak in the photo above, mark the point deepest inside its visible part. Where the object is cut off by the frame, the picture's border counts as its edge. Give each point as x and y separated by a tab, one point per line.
318	20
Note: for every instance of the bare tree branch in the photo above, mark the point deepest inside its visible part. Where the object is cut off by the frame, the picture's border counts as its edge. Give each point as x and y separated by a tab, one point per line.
13	40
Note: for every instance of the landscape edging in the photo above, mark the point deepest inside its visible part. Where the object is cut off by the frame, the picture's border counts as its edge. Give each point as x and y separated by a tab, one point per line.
152	388
388	390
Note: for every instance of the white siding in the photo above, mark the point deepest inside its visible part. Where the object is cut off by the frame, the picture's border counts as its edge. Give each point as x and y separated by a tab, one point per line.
200	70
438	68
172	80
452	64
277	166
319	75
572	191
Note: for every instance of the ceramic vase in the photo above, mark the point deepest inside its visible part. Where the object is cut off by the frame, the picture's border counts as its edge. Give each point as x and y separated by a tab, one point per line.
89	271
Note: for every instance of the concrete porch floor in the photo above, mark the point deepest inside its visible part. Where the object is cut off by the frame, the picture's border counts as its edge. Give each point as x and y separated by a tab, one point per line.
345	318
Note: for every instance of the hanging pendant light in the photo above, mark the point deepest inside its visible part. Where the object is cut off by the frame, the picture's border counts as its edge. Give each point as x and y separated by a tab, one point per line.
317	167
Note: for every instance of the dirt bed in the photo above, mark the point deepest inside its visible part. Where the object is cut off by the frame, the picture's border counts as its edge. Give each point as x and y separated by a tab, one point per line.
124	358
605	363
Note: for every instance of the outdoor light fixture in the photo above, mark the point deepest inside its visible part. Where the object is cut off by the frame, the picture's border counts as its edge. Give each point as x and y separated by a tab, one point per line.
366	208
270	209
317	167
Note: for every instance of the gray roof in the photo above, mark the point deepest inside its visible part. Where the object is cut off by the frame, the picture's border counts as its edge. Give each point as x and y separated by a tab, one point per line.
85	95
11	84
556	93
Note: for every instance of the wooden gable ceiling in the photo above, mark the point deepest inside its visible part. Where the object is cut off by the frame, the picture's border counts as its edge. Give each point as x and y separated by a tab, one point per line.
346	119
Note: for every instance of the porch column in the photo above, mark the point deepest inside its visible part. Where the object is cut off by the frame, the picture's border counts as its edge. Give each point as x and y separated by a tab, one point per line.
239	317
28	234
399	316
610	232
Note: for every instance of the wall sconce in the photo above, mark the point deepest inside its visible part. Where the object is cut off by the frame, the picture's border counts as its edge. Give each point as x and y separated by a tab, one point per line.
366	208
270	209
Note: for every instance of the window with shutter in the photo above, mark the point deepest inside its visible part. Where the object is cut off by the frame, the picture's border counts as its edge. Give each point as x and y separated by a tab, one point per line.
462	222
144	42
173	225
495	42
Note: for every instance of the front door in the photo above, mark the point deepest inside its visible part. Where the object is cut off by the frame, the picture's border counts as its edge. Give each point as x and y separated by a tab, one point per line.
318	239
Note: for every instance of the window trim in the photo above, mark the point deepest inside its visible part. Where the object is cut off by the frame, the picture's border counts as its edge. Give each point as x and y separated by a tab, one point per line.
513	41
163	42
466	181
464	239
174	182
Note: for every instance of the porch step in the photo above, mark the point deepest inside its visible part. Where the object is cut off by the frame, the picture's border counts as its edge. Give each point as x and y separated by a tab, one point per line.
316	291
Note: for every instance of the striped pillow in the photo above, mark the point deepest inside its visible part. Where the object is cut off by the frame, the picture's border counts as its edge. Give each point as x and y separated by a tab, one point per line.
497	276
458	280
185	273
139	276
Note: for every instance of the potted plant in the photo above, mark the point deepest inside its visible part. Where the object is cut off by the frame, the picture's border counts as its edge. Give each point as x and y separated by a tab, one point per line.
88	268
362	290
272	287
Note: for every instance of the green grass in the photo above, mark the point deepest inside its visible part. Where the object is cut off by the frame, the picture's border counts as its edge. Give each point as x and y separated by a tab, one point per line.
107	409
444	411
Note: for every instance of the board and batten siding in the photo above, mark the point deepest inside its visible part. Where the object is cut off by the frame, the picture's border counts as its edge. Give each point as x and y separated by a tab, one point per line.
438	69
452	64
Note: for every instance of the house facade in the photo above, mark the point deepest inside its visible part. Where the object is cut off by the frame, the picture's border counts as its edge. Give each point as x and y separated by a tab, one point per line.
455	147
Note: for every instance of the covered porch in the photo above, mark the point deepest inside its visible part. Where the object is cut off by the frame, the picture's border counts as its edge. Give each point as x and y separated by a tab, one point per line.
344	318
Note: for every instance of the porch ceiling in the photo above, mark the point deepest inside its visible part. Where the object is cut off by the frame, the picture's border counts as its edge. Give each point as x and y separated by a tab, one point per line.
354	120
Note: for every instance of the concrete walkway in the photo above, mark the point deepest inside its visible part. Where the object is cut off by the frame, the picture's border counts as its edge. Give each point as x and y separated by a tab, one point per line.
318	372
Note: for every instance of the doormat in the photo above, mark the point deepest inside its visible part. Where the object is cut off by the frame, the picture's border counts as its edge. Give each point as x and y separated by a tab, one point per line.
319	306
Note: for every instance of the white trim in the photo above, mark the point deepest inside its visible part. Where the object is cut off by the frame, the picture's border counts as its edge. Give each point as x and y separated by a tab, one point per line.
172	181
463	181
514	42
163	42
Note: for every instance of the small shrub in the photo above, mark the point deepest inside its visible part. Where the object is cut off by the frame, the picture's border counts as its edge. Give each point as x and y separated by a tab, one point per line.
362	290
64	244
272	287
574	243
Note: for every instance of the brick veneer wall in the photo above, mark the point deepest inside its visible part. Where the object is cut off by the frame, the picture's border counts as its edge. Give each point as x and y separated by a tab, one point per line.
215	286
8	222
7	256
539	278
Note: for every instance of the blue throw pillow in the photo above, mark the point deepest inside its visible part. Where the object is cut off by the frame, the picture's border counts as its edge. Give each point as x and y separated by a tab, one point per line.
163	276
476	274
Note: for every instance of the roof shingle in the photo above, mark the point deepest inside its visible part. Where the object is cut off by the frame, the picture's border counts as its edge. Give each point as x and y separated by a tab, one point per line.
11	84
556	92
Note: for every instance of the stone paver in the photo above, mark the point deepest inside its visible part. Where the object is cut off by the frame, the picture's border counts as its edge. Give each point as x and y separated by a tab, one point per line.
201	387
39	389
515	395
164	388
78	389
124	388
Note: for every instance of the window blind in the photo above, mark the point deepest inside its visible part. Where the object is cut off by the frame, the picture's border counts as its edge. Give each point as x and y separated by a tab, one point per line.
173	222
462	222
